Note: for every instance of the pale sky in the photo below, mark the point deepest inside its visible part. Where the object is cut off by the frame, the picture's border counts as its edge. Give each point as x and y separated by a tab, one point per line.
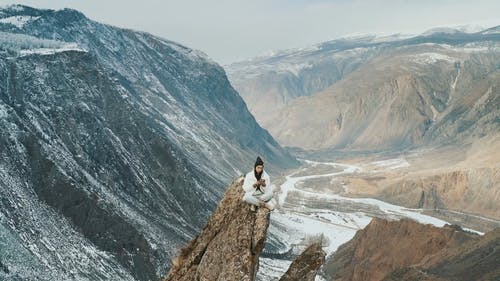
233	30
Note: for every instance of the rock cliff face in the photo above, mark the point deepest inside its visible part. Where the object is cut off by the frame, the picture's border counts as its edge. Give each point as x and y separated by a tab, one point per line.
469	190
229	245
383	246
477	259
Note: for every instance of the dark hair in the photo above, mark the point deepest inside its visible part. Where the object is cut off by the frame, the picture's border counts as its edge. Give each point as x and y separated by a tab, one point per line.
257	163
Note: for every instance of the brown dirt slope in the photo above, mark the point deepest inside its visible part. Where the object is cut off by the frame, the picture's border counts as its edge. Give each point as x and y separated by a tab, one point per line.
384	246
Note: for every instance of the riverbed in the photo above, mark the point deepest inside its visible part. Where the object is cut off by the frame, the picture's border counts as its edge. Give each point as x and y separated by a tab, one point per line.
306	215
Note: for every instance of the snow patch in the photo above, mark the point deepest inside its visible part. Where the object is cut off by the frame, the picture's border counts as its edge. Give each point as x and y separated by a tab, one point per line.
51	51
430	58
272	269
18	21
3	111
392	163
192	54
294	68
336	227
493	31
471	48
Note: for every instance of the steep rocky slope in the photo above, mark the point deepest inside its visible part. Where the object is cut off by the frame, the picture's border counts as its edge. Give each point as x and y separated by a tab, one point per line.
475	260
406	250
229	245
116	146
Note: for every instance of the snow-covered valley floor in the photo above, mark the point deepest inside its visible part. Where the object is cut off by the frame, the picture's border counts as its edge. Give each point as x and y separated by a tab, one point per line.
307	215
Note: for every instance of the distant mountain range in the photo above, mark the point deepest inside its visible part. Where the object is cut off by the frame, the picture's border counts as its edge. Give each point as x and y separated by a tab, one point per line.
377	93
115	147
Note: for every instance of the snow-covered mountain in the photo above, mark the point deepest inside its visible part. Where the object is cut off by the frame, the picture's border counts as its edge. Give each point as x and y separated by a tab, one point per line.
115	147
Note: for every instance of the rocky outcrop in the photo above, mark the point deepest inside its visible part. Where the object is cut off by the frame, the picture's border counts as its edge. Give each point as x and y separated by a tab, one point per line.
384	246
229	245
306	266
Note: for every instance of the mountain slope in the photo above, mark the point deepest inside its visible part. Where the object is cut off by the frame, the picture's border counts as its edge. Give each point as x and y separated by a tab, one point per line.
385	246
121	139
475	260
187	89
429	89
405	250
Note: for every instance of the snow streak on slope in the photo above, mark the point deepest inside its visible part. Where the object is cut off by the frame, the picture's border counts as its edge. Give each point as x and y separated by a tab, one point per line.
18	21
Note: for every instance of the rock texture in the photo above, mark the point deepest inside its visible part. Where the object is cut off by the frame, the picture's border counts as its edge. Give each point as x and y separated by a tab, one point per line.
229	245
472	190
384	246
306	266
477	259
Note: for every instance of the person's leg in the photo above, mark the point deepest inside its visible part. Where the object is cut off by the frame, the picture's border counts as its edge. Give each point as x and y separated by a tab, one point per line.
271	204
249	198
266	197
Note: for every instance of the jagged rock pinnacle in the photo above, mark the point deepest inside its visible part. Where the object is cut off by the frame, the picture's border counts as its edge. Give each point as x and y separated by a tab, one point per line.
229	245
305	266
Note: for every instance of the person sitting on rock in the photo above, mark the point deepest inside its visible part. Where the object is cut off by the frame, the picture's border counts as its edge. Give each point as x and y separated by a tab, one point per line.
257	187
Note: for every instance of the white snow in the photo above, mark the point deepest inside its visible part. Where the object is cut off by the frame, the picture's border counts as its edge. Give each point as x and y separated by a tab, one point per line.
376	37
454	84
472	47
291	181
294	68
272	269
337	227
51	51
430	58
192	54
3	111
392	163
18	21
493	31
390	209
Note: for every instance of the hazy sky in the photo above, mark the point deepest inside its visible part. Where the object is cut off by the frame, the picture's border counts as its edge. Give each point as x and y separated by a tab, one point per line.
232	30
